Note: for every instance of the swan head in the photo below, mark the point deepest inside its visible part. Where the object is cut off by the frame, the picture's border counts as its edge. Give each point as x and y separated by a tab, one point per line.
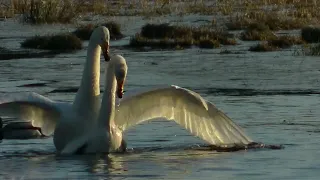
120	71
101	36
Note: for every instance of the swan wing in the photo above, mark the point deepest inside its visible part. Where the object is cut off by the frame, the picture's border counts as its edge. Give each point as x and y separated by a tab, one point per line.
186	108
41	111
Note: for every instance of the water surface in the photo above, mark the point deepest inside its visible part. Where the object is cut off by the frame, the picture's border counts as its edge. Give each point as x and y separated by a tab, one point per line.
280	107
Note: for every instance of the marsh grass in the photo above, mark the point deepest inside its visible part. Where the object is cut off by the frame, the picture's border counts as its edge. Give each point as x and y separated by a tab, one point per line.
311	34
208	43
60	11
169	36
159	31
274	22
144	8
286	41
263	47
257	32
313	50
238	23
277	14
278	43
309	50
306	10
84	32
60	42
115	30
139	42
50	11
6	9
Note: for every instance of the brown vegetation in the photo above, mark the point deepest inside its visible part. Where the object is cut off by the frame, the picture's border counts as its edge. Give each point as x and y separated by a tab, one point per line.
50	11
309	50
168	36
311	34
277	14
84	32
60	42
277	43
263	47
274	22
257	32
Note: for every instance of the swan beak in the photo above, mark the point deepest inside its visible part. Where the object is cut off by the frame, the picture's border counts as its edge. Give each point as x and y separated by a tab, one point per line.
120	89
105	50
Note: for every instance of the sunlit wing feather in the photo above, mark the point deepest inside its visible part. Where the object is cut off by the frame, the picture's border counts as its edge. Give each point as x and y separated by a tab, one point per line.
186	108
41	111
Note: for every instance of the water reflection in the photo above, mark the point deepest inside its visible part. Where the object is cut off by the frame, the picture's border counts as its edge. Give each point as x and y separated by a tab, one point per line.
119	165
104	164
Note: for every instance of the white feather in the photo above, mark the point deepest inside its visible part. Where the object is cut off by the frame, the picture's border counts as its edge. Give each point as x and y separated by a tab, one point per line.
186	108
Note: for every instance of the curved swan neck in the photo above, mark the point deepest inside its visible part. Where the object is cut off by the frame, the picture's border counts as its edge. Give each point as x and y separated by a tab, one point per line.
92	69
107	110
90	83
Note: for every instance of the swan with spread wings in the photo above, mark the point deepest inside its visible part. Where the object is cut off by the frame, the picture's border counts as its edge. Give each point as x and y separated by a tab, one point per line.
102	132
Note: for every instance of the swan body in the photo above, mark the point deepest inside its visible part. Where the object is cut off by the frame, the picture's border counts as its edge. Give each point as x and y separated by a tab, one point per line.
19	130
67	121
103	135
185	107
102	132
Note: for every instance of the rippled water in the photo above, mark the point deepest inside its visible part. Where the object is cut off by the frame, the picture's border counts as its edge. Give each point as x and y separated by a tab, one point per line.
273	96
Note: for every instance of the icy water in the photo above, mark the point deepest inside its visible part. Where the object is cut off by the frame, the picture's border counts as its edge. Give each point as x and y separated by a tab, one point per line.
273	96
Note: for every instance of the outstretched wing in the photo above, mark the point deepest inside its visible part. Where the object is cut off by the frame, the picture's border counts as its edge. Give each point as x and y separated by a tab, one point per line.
41	111
186	108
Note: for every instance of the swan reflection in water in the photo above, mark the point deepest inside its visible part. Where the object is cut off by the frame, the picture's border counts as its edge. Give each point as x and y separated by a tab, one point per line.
23	159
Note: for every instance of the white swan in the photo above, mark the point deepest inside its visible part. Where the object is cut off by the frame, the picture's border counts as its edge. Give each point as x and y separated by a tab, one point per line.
103	135
19	130
185	107
103	131
51	115
75	131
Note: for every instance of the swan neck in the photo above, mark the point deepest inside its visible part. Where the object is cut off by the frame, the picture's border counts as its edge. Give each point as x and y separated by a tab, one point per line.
90	82
107	110
92	69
